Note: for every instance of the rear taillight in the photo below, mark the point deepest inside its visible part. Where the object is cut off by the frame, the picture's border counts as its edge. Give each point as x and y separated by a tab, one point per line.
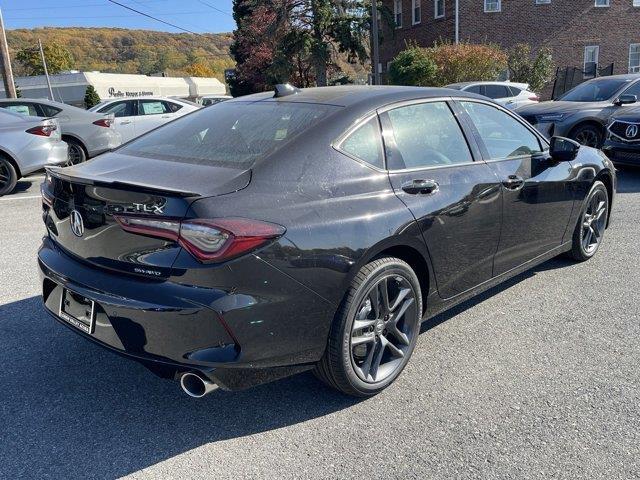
534	98
103	122
43	130
214	240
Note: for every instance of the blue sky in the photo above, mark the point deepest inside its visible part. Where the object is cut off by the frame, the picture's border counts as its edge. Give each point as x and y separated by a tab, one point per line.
195	15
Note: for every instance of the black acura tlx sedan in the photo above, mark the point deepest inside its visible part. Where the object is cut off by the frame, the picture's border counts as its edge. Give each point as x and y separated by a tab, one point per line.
309	229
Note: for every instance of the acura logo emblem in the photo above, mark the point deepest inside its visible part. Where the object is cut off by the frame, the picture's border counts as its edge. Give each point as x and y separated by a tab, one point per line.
632	131
77	225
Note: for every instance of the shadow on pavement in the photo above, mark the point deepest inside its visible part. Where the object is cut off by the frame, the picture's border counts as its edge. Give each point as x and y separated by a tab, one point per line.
23	185
628	180
70	409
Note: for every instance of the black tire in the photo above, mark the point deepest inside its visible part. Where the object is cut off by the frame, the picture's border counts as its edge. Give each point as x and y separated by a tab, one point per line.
589	135
349	361
8	176
77	153
590	228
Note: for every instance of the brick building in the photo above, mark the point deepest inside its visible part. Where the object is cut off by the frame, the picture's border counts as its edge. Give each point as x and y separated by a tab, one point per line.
581	33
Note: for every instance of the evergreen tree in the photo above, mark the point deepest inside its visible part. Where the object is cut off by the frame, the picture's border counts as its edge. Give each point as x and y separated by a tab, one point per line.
91	97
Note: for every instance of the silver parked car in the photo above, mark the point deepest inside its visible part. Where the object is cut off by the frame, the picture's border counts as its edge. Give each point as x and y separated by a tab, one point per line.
88	134
508	94
135	116
583	113
27	144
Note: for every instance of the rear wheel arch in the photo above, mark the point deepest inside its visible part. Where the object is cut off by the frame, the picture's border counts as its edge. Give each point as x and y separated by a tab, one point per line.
73	138
418	260
605	177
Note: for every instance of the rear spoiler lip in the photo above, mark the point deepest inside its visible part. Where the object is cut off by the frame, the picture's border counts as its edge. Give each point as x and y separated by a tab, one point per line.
56	172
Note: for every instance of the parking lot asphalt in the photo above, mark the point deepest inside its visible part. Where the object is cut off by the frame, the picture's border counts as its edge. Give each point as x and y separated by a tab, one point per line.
537	378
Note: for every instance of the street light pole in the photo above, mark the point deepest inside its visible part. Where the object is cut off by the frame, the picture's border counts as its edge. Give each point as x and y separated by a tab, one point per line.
457	22
46	72
375	53
7	72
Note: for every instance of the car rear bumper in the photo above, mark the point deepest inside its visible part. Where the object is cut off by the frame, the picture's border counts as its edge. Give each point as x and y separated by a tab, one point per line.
104	140
173	328
47	153
622	153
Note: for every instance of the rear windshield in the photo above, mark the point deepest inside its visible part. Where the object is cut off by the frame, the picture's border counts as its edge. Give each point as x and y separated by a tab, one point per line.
594	90
231	134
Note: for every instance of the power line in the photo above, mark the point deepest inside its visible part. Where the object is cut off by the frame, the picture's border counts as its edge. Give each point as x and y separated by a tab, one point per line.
214	8
152	17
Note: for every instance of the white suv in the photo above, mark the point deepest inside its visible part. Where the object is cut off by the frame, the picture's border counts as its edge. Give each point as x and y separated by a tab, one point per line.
135	116
508	94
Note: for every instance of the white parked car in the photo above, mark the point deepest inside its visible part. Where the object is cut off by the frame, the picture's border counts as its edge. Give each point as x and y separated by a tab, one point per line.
135	116
87	133
27	144
508	94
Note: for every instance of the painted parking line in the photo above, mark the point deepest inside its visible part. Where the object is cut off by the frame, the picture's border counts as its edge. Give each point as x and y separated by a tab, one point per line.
19	198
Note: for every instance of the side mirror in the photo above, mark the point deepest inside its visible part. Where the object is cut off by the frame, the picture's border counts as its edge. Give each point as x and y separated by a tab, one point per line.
626	100
563	149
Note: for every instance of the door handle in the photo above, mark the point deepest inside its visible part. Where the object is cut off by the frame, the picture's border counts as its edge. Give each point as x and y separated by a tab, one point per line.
125	122
513	182
166	116
415	187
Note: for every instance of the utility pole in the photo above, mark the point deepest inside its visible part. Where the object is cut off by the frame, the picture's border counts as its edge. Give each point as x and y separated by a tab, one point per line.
46	72
457	22
375	53
7	73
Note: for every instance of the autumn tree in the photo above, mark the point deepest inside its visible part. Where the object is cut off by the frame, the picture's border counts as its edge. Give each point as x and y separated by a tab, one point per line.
199	69
58	59
536	70
296	40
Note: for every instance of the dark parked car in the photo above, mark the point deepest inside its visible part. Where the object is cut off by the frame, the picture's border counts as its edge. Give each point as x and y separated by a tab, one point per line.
623	139
583	113
309	229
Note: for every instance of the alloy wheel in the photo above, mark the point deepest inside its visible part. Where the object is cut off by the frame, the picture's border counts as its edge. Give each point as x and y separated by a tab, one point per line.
5	175
588	138
594	222
75	155
382	331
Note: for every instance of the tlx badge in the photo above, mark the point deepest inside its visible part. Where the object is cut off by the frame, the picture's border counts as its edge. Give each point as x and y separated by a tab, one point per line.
152	208
144	208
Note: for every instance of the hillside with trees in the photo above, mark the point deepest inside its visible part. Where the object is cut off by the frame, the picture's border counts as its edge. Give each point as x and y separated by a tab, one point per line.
118	50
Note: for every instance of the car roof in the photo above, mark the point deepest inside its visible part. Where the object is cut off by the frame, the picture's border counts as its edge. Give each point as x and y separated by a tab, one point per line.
361	95
484	82
625	76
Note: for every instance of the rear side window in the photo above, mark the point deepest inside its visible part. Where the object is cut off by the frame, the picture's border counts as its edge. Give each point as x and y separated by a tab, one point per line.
515	91
49	111
365	143
119	109
425	135
474	89
502	135
172	107
234	134
496	91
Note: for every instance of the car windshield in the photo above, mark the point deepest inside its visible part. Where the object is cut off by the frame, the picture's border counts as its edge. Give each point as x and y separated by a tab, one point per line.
230	134
594	90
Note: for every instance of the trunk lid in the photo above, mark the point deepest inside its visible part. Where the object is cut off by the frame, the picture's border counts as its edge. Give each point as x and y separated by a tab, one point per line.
80	203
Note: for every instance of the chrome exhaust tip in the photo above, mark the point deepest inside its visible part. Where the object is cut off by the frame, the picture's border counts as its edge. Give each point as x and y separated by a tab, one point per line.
195	386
